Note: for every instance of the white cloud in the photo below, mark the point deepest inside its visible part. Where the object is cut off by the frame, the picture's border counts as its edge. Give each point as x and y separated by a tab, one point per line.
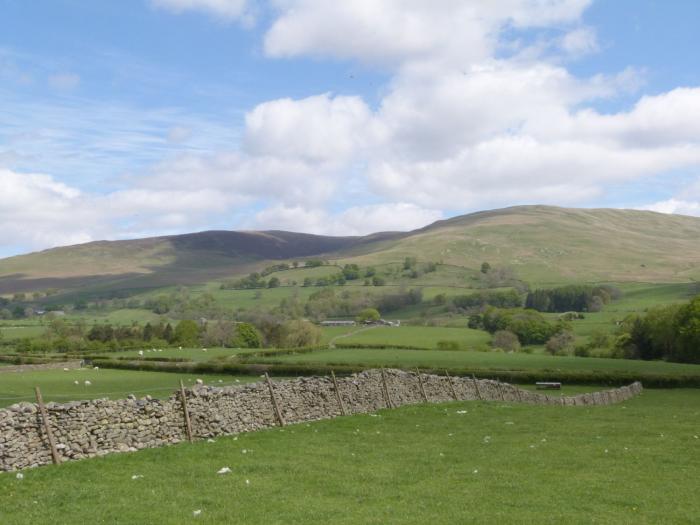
38	211
228	9
472	117
580	41
675	206
64	81
398	31
356	220
319	128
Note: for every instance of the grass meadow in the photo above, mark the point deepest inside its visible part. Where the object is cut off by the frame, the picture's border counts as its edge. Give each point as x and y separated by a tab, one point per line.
451	359
461	462
59	385
418	336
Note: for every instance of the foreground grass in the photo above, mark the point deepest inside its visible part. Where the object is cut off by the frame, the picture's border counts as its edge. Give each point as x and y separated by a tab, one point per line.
495	463
486	360
59	385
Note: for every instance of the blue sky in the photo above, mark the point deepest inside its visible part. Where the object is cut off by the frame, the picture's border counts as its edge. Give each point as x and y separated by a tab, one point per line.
146	117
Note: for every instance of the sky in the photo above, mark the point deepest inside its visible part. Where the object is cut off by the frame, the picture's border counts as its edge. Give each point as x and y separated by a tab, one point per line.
154	117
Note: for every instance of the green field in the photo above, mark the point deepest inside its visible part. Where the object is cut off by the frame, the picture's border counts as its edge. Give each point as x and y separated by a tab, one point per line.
496	463
58	385
19	332
400	358
192	354
419	336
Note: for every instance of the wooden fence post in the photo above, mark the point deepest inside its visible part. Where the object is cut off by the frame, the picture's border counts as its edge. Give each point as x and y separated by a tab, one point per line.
337	394
387	399
280	419
499	386
185	411
476	386
422	388
452	387
47	428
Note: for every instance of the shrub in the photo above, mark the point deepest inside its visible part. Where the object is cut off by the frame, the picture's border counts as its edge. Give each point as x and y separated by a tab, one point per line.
247	336
561	343
297	334
368	315
448	345
505	340
582	351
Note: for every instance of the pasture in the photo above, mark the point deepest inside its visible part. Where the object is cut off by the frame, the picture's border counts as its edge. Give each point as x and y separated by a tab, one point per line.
418	336
400	358
59	385
190	354
451	463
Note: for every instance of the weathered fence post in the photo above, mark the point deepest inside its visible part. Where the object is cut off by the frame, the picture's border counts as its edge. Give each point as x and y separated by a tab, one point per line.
337	394
499	387
47	427
280	419
387	399
452	387
422	388
476	387
185	411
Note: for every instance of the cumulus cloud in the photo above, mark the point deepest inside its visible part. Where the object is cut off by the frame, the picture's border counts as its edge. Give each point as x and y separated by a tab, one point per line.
393	32
675	206
475	114
356	220
318	128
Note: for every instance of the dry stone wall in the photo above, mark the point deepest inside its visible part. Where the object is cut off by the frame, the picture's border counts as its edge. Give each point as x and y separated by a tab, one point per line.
84	429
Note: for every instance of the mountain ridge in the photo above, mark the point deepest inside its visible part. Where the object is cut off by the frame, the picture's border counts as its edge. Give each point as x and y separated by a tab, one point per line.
571	243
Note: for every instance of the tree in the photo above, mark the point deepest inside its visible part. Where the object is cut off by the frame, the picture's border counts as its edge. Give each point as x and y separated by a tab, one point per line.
247	336
688	328
297	334
505	340
187	333
274	282
368	315
378	281
485	267
561	343
168	333
351	272
148	332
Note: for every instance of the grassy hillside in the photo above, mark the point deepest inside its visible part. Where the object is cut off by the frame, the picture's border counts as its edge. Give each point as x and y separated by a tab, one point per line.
550	245
541	244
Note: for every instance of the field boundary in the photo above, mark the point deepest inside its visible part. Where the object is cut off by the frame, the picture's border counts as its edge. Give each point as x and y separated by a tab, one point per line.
521	376
70	365
35	434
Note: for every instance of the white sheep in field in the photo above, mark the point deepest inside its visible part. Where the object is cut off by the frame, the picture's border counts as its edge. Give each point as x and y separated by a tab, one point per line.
76	383
87	383
140	352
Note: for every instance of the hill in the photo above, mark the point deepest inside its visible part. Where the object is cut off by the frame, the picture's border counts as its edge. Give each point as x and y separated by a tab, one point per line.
542	244
545	244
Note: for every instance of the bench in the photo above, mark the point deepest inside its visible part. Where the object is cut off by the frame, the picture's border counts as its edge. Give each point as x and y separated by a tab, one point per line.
548	385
